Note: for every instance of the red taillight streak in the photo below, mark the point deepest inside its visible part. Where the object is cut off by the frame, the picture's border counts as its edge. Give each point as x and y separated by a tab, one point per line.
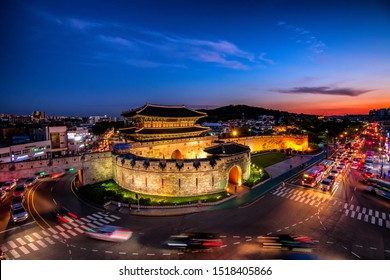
62	219
72	215
212	244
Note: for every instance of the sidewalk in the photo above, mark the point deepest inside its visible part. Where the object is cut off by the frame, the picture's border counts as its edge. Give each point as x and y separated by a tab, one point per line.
287	168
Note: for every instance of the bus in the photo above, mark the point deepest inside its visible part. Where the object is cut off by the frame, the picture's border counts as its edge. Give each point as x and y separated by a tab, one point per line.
327	165
312	176
379	187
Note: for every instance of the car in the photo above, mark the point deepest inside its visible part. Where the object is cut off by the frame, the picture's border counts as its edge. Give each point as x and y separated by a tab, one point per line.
340	168
64	215
195	240
369	174
9	185
109	233
326	185
17	200
354	166
287	242
331	177
31	181
335	172
18	213
20	190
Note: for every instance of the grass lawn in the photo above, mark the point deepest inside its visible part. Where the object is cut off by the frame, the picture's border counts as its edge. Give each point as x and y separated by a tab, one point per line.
103	192
268	159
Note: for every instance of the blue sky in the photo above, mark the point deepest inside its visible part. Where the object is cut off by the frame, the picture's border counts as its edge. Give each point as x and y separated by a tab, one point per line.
105	57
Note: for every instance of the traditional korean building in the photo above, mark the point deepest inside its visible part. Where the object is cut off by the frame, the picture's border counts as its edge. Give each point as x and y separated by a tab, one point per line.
158	122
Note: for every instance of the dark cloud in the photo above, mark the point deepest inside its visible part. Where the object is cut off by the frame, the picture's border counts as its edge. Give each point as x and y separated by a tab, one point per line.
326	90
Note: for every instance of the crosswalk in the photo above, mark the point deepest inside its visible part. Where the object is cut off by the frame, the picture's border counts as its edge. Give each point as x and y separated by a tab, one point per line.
357	212
360	213
20	246
301	196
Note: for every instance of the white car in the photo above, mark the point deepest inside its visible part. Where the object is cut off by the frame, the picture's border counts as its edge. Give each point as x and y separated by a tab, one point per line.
109	233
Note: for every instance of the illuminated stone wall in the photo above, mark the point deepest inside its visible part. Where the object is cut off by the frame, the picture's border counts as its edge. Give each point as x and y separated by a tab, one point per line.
178	178
278	142
188	148
96	167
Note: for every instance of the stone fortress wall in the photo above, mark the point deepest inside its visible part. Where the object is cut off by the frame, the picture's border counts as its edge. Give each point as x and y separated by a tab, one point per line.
269	143
96	167
171	168
178	177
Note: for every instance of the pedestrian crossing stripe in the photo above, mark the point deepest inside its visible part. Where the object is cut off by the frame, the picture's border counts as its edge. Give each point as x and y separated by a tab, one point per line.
353	211
35	241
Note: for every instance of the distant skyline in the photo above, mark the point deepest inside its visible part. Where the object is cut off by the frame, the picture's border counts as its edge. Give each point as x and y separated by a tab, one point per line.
105	57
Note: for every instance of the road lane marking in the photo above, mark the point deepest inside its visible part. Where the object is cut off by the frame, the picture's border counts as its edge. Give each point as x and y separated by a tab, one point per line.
356	255
24	250
80	222
387	224
359	216
380	222
97	223
360	246
63	234
37	235
351	207
79	230
29	238
108	218
59	228
66	226
122	253
345	205
108	252
51	242
85	220
364	210
53	230
85	228
115	217
72	232
32	246
372	220
377	214
97	216
353	214
370	212
12	244
373	248
357	208
104	221
41	243
312	202
14	254
383	216
21	241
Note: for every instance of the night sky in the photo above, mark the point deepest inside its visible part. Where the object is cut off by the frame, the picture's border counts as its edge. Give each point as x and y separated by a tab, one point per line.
104	57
